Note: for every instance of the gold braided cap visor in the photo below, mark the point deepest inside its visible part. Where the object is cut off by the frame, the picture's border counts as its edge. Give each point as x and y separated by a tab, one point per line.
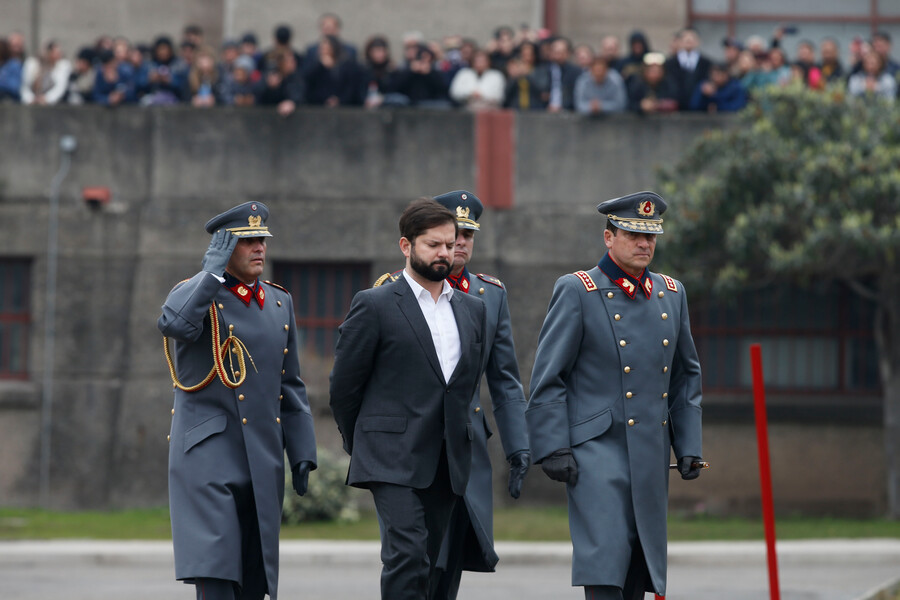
638	225
250	231
468	224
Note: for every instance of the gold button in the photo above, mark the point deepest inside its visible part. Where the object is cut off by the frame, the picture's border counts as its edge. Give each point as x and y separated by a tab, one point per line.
665	369
282	371
244	420
286	327
630	422
665	342
622	343
664	422
234	350
665	394
278	302
281	397
278	419
241	397
173	411
629	395
237	373
231	328
617	317
221	306
174	385
285	350
168	438
609	294
477	409
664	316
480	290
661	294
628	369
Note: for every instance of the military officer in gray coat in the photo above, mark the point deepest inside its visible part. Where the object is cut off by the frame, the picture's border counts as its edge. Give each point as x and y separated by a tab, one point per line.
616	387
469	543
239	404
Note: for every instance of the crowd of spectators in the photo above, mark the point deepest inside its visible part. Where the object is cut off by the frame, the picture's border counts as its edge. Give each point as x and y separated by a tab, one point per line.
518	69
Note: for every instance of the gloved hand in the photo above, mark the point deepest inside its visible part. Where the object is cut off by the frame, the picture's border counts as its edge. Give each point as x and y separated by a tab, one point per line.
219	252
686	468
300	476
561	466
518	467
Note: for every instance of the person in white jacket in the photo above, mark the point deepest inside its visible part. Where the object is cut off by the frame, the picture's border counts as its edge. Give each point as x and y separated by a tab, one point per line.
479	86
45	79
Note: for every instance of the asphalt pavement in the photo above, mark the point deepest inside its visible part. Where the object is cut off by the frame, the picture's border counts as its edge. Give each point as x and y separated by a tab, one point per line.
327	570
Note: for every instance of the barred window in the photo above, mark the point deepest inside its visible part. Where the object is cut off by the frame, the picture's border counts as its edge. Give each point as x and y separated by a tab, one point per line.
812	340
322	293
15	318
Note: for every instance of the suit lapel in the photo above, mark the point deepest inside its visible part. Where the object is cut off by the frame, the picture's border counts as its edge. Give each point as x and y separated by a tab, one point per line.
409	306
461	313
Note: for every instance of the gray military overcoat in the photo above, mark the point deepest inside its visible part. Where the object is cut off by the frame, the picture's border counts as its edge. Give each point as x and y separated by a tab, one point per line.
617	379
223	438
508	404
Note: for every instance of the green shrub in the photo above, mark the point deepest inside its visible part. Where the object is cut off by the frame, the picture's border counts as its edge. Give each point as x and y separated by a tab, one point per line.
328	498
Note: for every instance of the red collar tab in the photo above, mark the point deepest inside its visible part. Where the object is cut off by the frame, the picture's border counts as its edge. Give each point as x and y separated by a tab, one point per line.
628	284
460	282
244	292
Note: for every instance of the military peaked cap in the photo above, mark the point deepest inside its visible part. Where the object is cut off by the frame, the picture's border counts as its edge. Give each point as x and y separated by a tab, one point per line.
245	220
465	205
639	212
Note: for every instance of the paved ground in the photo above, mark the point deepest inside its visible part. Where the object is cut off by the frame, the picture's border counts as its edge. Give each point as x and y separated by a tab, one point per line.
809	570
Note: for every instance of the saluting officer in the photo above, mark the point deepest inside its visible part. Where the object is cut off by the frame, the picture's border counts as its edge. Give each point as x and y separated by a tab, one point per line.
239	403
469	543
616	384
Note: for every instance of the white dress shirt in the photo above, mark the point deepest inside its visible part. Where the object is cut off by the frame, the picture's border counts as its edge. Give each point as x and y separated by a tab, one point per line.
441	322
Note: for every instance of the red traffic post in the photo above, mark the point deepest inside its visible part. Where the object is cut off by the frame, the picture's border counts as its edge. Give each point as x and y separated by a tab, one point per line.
765	468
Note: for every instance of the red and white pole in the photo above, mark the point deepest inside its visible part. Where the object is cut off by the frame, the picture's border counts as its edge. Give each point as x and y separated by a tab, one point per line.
765	468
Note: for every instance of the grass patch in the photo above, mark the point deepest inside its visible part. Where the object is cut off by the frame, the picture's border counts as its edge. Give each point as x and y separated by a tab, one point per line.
519	524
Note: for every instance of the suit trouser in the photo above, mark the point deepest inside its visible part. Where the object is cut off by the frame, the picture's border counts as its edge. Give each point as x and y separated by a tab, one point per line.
414	523
635	581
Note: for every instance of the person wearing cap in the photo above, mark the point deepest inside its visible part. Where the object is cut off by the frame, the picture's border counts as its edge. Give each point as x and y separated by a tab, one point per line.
231	345
469	544
615	388
651	91
406	365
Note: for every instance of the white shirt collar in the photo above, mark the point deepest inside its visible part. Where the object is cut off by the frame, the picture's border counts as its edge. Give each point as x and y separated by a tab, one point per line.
446	289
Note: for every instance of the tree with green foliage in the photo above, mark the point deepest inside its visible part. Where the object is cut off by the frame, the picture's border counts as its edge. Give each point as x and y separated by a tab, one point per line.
804	186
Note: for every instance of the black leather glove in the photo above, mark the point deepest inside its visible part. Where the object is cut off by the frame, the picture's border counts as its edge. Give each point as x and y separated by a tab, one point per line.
688	468
300	476
219	252
518	468
561	466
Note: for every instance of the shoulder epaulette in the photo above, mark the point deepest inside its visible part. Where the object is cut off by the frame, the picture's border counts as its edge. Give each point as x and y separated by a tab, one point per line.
388	278
589	284
489	279
670	283
276	285
179	283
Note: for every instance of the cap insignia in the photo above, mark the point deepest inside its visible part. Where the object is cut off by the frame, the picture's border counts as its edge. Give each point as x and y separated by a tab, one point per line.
254	221
464	196
646	209
462	213
253	207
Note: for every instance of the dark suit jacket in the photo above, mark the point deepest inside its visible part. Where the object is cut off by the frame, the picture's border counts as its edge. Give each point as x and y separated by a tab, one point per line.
686	81
388	394
543	78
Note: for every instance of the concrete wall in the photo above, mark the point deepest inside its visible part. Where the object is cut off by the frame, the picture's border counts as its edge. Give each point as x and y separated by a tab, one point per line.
336	182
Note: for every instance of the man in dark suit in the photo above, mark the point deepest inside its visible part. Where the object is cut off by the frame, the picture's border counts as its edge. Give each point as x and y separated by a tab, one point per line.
406	366
557	77
469	544
687	68
239	404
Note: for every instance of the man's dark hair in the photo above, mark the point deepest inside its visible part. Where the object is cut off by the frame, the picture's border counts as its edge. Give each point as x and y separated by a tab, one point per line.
283	34
611	227
332	16
883	35
423	214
